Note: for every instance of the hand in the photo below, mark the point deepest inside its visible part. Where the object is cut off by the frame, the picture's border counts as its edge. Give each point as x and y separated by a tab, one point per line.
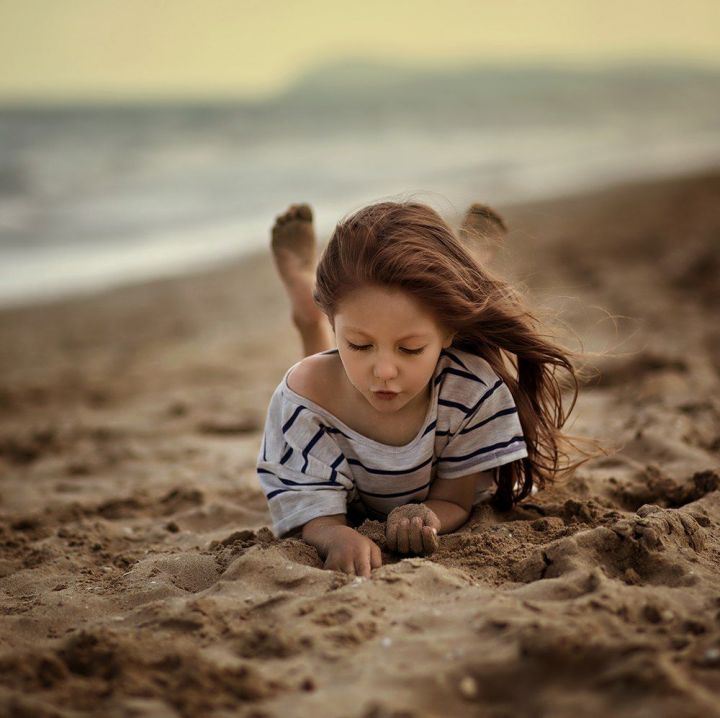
412	528
351	552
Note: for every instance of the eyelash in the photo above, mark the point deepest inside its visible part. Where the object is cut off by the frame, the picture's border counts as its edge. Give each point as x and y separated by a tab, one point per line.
359	348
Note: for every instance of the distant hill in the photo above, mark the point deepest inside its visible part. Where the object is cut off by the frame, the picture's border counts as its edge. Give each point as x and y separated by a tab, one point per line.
362	96
500	93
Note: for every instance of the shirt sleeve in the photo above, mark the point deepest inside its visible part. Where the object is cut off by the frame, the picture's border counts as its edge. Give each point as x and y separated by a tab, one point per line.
489	435
301	469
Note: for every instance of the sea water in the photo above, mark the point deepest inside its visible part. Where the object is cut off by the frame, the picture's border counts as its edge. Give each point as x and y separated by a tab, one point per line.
96	196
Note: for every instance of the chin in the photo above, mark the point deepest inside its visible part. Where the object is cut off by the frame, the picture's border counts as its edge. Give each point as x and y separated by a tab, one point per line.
388	407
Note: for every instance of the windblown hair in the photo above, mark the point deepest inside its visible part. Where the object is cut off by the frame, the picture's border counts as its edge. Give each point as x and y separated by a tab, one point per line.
408	246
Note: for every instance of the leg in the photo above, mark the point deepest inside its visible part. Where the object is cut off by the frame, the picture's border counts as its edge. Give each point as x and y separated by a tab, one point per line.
294	249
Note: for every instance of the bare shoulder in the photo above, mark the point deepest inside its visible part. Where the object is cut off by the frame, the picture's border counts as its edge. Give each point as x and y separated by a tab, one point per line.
314	378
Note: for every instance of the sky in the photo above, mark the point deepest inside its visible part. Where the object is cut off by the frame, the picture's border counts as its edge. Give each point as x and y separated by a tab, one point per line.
113	50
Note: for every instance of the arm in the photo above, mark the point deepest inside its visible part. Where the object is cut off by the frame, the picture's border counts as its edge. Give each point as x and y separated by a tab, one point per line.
450	515
451	499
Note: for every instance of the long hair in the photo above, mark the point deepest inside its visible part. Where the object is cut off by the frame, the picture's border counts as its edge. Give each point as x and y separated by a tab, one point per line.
408	246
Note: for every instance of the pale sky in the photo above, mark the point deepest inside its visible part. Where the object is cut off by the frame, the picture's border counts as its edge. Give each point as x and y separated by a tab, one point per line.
118	49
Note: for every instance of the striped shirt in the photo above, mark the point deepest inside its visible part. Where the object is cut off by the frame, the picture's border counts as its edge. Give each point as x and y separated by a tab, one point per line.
311	464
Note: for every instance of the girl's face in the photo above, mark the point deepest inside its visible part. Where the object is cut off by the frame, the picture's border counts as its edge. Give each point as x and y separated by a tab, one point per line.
388	342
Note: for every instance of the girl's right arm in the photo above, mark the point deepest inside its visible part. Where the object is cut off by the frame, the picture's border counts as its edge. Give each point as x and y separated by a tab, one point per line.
342	548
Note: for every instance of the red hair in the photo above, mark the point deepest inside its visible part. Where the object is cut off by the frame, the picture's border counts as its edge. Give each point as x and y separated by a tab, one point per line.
408	246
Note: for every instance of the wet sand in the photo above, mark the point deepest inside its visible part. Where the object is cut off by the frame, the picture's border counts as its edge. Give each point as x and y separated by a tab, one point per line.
138	576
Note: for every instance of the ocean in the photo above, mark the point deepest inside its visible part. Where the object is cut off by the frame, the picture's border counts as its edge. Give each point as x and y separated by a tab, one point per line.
97	196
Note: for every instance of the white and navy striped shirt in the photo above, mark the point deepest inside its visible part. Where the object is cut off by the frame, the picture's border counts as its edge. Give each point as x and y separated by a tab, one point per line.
311	464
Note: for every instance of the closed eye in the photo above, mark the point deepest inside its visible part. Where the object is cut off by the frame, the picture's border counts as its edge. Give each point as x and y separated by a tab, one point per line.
363	347
412	351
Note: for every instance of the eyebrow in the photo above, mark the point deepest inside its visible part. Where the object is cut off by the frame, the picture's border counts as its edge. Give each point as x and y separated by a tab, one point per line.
402	339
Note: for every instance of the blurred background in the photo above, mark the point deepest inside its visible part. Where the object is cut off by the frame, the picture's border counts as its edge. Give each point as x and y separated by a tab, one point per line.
139	139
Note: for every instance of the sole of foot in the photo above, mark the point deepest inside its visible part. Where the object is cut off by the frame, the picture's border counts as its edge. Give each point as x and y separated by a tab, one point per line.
482	230
293	240
294	249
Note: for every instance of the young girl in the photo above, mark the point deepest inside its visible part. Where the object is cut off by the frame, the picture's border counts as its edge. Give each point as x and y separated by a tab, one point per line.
441	394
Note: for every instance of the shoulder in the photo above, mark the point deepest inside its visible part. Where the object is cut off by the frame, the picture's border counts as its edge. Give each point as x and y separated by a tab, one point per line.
470	386
314	376
461	369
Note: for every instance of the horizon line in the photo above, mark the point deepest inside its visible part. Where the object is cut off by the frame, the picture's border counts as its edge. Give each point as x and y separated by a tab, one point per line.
94	99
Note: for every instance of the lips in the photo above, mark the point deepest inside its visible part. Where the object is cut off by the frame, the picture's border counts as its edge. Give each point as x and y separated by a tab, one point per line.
386	394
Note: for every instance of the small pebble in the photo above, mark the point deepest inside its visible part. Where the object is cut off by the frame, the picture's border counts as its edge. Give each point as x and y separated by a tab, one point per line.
386	642
468	687
308	684
712	657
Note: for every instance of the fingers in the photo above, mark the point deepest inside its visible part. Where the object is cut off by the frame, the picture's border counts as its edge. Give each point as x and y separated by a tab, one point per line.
362	567
391	533
410	536
416	535
357	564
365	564
347	566
375	557
403	536
430	540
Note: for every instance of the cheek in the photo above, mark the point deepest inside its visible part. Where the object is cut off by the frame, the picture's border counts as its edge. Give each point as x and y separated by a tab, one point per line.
353	365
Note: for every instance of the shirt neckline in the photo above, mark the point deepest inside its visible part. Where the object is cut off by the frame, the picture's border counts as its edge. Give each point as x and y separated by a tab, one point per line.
356	435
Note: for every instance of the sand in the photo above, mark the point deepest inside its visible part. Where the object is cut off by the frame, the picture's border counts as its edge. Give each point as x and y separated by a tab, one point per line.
138	576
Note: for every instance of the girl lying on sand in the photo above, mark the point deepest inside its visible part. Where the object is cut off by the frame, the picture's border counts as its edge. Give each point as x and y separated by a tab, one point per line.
441	394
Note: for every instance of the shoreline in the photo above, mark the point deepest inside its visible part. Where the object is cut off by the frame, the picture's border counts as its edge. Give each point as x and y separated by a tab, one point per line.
184	268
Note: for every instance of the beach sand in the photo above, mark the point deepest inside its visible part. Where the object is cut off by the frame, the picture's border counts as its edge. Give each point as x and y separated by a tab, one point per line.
138	576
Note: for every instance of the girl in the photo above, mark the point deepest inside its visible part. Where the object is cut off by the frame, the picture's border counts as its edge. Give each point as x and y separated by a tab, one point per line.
441	393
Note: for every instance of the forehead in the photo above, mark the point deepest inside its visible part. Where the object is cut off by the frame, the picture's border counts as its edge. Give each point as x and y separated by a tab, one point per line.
414	335
378	311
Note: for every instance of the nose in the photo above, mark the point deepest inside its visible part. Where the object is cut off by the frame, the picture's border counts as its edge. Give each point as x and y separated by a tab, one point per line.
385	370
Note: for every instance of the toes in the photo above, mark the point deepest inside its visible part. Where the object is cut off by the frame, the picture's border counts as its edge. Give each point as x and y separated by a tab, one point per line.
304	212
294	211
299	211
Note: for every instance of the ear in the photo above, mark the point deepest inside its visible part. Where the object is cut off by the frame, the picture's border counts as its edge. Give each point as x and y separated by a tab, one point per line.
448	340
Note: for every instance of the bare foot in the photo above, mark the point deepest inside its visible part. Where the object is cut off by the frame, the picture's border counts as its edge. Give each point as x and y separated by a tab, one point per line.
482	231
294	249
